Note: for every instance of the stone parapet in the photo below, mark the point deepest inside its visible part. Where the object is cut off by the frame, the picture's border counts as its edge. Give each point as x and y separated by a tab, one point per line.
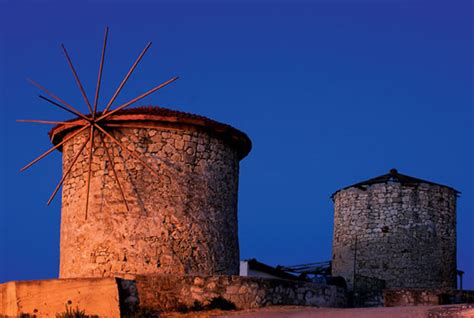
121	297
164	292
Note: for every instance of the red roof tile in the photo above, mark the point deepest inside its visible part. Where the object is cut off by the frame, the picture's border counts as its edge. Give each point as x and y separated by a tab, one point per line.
159	114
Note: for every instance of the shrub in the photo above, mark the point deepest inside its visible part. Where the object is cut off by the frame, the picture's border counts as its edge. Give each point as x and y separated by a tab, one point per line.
197	306
74	313
182	308
221	303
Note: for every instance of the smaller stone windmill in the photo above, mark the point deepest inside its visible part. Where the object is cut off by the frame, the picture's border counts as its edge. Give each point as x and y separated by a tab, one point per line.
145	190
395	229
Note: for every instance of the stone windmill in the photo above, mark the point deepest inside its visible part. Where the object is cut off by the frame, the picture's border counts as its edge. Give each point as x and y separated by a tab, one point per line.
144	190
148	216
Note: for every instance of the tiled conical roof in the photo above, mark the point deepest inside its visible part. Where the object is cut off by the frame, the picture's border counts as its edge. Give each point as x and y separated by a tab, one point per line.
163	115
392	176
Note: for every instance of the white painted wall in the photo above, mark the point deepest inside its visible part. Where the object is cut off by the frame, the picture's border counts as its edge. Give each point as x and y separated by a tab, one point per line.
246	271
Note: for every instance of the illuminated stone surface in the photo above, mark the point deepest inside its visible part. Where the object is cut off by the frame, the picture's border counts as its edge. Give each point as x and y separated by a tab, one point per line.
181	221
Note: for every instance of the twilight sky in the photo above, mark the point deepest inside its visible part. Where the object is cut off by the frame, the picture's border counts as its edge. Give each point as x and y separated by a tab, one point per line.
330	92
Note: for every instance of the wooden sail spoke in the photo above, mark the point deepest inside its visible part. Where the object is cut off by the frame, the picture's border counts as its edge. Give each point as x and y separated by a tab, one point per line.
126	77
91	149
56	104
78	81
47	122
92	122
55	147
114	171
137	98
126	150
99	77
75	111
65	174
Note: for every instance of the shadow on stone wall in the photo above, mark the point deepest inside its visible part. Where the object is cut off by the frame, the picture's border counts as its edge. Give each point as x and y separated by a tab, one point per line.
174	293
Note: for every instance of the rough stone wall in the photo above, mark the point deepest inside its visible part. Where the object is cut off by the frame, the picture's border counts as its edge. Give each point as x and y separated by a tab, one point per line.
182	221
369	292
170	292
137	295
410	297
406	234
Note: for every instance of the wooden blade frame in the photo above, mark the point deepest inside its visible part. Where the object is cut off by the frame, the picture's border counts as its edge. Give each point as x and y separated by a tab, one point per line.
47	122
138	98
78	81
92	123
91	150
75	111
55	147
126	150
112	165
126	77
56	104
65	174
99	77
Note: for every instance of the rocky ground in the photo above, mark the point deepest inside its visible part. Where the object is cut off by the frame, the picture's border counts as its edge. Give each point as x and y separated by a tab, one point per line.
450	311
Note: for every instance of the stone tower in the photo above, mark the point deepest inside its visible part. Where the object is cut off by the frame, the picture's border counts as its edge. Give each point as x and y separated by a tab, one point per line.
183	221
405	230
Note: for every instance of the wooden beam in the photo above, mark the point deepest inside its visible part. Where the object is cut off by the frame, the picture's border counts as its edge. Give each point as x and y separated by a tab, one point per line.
115	172
75	111
91	150
125	149
55	147
78	81
48	122
99	77
126	77
137	98
65	174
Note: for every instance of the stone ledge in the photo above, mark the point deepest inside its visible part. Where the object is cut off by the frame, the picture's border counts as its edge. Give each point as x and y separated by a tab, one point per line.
46	298
168	292
113	297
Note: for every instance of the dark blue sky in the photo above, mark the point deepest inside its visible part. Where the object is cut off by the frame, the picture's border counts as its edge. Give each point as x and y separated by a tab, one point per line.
330	92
